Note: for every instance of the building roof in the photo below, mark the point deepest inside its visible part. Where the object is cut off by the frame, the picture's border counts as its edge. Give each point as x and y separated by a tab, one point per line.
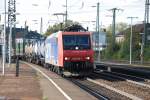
138	28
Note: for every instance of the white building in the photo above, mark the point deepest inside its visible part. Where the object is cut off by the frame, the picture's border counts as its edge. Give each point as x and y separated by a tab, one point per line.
119	38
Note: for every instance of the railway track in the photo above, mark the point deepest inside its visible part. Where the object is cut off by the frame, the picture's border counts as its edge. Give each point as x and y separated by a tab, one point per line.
130	78
129	87
89	90
136	75
133	70
120	85
99	91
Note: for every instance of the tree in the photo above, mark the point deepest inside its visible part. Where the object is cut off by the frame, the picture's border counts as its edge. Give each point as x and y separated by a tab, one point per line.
109	53
58	27
122	50
119	27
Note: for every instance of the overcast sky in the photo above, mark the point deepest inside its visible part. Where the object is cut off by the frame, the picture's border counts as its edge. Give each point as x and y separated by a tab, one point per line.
78	10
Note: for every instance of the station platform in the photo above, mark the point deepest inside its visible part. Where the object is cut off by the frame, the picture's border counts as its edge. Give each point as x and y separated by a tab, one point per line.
32	85
24	87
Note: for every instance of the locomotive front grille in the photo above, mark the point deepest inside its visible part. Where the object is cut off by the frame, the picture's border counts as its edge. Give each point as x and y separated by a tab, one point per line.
77	67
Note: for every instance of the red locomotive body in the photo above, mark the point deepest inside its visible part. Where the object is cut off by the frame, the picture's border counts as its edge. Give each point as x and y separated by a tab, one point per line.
77	55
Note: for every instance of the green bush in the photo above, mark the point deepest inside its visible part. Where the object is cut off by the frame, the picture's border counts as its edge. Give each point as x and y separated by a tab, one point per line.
147	53
122	51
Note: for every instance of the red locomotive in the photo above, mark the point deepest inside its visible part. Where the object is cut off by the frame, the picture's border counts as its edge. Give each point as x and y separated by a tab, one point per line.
69	51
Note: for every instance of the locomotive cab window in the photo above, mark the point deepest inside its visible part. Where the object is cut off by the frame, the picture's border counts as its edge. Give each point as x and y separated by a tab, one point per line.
81	42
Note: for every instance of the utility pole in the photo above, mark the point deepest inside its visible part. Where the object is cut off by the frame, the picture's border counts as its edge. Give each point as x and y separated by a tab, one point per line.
11	11
146	23
131	39
114	26
144	35
41	26
11	20
10	42
147	11
98	30
4	38
66	14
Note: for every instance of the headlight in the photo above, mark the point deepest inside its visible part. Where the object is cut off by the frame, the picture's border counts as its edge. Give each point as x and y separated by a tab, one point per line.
87	58
66	58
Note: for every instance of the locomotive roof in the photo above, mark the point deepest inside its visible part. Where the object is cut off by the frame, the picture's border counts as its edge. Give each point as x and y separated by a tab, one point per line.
55	35
76	33
75	28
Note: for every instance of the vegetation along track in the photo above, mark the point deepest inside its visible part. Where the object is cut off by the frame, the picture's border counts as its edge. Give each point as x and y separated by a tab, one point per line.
120	85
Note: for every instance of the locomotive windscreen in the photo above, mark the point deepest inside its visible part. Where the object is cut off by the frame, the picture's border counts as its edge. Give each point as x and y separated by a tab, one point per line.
76	42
